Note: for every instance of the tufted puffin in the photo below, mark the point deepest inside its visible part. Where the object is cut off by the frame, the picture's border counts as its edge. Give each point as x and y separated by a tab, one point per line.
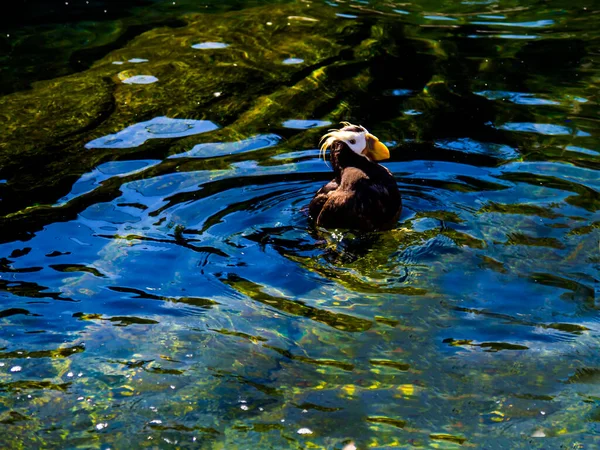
363	194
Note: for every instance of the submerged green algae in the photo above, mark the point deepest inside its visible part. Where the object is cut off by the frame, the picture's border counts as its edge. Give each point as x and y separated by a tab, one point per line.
200	311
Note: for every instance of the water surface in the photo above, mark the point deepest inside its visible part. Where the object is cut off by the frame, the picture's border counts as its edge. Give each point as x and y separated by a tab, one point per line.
161	284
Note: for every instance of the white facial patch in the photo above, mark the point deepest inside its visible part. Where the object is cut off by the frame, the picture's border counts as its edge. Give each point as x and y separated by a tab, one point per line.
356	141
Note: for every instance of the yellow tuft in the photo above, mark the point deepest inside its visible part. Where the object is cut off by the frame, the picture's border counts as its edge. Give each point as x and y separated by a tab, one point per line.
328	138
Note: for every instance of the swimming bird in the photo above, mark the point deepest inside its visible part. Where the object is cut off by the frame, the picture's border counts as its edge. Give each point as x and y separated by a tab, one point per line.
363	194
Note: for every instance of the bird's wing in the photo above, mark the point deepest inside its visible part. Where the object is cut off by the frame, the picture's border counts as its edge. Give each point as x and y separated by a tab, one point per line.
343	210
316	204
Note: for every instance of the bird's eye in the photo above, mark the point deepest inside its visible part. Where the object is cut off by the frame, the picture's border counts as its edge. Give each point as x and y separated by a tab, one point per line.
353	141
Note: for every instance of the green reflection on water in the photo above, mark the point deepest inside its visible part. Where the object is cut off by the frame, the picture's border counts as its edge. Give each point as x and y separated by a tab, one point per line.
471	324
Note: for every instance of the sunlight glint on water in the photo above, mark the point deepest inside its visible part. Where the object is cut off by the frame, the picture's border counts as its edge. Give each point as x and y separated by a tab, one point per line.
161	283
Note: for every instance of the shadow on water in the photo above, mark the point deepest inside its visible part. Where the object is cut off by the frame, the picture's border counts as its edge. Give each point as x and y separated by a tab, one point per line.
162	286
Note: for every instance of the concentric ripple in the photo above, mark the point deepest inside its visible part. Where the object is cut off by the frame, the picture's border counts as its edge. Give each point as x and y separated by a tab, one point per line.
163	285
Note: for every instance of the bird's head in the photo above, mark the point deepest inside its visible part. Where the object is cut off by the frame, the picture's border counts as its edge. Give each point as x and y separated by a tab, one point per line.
357	139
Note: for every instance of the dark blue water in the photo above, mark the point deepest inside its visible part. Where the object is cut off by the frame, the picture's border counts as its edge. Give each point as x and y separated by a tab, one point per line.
161	285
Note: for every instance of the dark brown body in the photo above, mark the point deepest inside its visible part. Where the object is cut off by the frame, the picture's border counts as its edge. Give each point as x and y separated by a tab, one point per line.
362	196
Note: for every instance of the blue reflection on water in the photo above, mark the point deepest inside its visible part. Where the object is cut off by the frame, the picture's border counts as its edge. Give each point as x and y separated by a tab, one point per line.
469	145
519	98
141	79
213	149
580	99
298	124
577	149
535	24
291	61
399	92
542	128
452	19
109	213
91	180
504	36
579	175
492	16
210	45
500	246
157	128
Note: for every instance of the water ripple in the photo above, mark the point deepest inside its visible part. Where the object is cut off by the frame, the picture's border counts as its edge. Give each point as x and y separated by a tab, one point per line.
140	79
167	287
212	150
157	128
210	45
534	24
520	98
542	128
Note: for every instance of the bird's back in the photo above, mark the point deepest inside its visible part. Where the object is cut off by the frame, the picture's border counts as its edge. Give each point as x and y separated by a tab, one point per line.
363	199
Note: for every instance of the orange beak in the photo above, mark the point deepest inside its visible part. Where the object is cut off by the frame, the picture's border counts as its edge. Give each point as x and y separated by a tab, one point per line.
375	150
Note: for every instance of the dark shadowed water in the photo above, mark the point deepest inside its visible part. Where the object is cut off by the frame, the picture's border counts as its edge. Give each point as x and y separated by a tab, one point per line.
161	286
